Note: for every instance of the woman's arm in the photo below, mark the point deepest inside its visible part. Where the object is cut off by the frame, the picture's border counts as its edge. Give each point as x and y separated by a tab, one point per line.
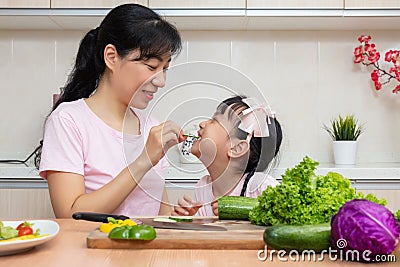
67	190
68	195
165	207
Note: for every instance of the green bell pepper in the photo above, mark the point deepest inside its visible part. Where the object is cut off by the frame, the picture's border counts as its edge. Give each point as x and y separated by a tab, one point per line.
136	232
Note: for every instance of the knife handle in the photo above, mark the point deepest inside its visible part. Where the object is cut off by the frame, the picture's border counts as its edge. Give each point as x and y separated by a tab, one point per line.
97	217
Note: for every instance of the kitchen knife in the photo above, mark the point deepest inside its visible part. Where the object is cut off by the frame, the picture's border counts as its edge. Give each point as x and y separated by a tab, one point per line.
97	217
102	217
182	225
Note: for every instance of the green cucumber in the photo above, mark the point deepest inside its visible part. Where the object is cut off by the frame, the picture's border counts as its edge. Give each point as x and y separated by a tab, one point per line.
182	218
164	219
235	207
314	237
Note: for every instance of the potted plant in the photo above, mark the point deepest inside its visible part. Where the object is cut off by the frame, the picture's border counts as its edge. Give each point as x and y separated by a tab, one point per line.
344	132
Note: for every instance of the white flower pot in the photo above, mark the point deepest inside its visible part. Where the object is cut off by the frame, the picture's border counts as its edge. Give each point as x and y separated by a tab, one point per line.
345	152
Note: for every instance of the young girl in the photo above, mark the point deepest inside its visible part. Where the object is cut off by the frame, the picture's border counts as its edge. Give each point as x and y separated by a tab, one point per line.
236	145
95	156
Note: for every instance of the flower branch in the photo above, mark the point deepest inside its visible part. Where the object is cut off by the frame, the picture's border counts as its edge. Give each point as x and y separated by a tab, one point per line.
367	54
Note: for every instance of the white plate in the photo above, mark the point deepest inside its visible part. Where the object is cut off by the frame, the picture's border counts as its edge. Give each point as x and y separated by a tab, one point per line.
46	227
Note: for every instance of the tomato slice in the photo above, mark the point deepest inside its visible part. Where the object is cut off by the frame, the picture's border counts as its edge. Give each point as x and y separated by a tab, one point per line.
24	224
26	230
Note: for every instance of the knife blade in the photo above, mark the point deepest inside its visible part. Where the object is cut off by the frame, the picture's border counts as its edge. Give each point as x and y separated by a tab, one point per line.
103	217
182	225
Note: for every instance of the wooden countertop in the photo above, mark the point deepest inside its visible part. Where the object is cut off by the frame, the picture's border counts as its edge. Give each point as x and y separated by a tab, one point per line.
69	248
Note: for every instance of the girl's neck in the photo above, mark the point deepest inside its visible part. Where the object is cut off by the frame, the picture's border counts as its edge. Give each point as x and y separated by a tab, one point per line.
224	180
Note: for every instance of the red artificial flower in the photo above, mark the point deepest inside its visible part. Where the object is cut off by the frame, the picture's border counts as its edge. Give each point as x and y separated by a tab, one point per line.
397	89
370	47
364	38
374	57
375	75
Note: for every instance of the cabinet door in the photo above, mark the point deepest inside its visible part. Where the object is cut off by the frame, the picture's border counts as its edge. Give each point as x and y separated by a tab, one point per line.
25	204
197	4
92	3
371	4
283	4
24	4
392	197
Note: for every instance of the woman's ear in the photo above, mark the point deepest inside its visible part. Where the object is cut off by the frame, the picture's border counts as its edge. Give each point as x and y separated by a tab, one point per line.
238	148
110	56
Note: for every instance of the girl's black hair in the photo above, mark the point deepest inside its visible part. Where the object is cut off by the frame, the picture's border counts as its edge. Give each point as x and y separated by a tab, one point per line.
262	149
128	27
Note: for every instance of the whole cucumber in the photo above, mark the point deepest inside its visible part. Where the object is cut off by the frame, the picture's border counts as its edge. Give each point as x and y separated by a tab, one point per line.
314	237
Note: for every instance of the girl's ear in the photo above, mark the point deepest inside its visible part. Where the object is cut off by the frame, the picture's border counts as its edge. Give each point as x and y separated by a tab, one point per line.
238	149
110	56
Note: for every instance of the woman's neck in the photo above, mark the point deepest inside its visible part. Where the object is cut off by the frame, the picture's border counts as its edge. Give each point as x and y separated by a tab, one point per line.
225	179
104	104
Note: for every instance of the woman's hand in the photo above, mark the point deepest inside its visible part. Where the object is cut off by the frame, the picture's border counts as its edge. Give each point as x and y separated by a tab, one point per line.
186	206
160	139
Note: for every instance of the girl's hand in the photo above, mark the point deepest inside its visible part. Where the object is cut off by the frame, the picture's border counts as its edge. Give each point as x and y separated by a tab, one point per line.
214	207
160	139
186	206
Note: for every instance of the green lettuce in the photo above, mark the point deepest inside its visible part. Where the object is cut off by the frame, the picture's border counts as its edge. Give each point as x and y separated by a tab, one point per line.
304	197
397	215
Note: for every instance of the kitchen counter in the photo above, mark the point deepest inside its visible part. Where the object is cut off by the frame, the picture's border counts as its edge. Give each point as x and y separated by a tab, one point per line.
363	176
69	248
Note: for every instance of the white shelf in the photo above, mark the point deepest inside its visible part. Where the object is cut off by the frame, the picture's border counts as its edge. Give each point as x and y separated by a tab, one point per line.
212	19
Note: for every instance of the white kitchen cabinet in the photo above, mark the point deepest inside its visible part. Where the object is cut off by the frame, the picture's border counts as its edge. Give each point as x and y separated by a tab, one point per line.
392	197
372	4
92	3
193	4
24	4
30	203
288	4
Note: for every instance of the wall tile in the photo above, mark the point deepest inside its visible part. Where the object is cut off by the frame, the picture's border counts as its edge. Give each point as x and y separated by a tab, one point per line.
307	76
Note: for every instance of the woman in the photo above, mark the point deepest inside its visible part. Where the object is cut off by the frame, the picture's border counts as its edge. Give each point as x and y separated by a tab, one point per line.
101	152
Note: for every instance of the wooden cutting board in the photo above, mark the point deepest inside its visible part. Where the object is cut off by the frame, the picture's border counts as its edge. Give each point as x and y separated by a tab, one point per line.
240	235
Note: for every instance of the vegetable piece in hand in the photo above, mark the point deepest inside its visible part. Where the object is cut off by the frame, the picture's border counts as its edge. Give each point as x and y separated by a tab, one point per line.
363	225
136	232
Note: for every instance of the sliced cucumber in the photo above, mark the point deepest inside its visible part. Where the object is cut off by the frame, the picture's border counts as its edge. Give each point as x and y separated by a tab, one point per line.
164	219
182	218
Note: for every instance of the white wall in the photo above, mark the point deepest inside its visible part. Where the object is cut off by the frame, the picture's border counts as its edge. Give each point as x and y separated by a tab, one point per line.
308	77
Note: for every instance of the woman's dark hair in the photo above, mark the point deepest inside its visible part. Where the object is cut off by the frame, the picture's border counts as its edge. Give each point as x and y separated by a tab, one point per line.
262	149
128	27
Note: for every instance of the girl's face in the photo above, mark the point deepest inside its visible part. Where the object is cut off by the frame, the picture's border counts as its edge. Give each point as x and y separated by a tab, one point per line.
215	139
138	81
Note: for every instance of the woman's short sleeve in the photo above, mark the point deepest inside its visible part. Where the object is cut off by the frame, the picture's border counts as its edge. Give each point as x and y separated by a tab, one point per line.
62	147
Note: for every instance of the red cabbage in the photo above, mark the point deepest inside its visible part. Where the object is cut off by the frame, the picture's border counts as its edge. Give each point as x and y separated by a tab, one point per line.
361	225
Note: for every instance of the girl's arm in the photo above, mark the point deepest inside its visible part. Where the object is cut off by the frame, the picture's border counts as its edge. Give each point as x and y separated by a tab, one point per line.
165	207
186	206
68	195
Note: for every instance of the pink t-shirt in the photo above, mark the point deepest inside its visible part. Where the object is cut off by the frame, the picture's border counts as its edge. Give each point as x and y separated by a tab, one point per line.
257	184
76	140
